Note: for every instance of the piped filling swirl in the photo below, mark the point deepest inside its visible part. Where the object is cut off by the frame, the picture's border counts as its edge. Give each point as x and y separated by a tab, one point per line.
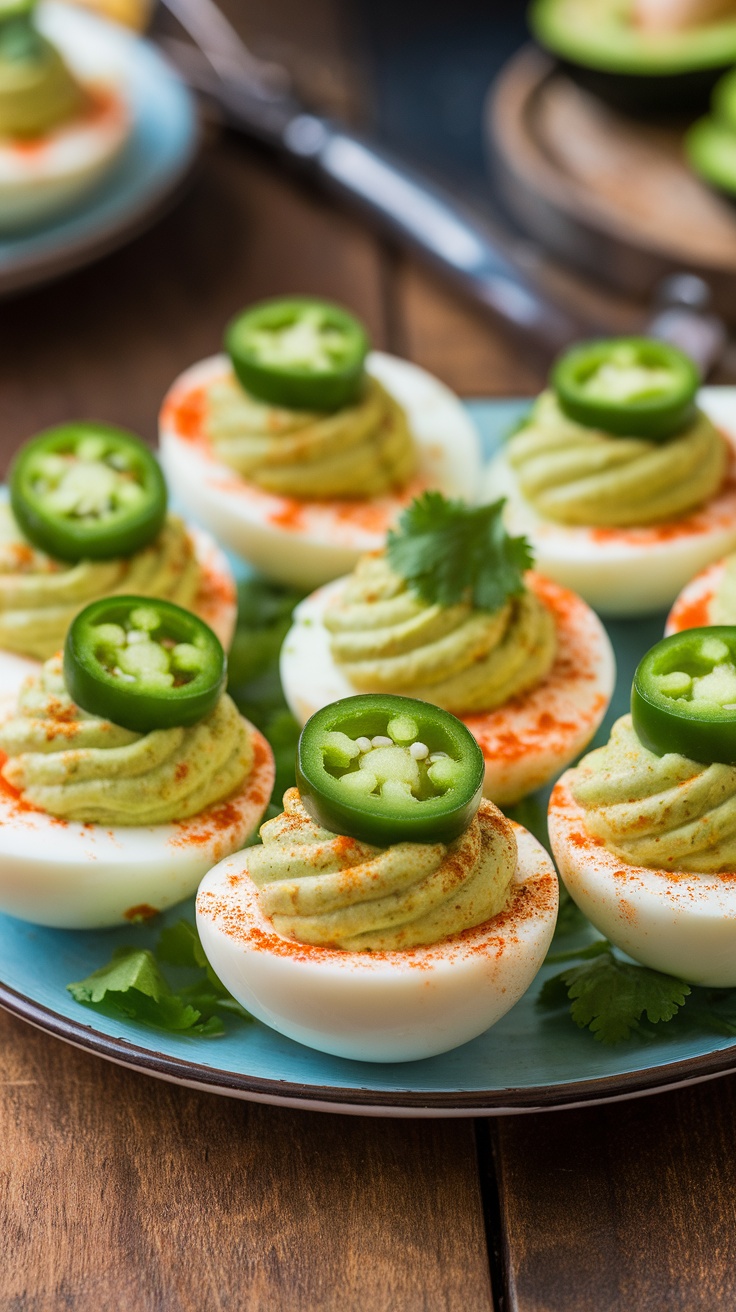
664	812
39	596
582	476
360	451
329	890
386	639
82	768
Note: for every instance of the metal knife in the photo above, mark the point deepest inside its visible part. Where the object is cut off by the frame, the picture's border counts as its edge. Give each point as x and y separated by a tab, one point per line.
255	97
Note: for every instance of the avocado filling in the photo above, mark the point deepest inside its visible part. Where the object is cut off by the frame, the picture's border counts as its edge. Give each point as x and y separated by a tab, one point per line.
387	639
82	768
40	596
359	451
38	92
665	812
583	476
324	889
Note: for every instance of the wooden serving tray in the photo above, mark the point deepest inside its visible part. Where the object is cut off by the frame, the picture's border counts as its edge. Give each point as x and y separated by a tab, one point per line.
606	193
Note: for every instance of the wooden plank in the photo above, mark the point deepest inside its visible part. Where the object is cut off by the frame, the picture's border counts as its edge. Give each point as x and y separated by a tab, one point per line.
118	1191
458	342
107	342
630	1206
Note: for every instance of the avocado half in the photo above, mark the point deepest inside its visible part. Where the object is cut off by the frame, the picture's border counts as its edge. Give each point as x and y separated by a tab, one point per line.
710	144
637	71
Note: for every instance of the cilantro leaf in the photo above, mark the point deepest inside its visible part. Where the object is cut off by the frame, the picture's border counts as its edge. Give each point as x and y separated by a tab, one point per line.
180	945
609	996
132	985
450	552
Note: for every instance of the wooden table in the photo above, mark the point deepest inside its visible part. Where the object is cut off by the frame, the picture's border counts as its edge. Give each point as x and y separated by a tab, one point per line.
119	1192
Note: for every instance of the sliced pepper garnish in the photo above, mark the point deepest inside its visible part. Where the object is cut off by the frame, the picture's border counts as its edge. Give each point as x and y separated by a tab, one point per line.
627	386
684	695
88	491
144	664
300	353
388	769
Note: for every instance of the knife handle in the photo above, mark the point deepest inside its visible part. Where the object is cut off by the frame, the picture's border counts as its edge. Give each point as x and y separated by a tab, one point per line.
419	213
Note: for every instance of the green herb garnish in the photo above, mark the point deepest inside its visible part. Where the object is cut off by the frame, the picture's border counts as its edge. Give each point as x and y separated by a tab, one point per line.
609	996
132	985
449	552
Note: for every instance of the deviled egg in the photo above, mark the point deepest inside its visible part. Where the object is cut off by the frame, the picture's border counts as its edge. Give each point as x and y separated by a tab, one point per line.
87	518
709	598
623	484
64	119
390	913
644	829
127	771
449	613
299	448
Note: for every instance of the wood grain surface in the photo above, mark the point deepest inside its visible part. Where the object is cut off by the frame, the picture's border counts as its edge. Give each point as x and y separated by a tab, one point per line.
631	1206
118	1192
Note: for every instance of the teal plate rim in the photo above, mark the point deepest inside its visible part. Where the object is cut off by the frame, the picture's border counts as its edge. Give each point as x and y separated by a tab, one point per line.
527	1062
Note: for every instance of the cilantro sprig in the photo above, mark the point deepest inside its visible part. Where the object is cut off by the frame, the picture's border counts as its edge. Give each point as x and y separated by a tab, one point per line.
610	996
450	552
132	985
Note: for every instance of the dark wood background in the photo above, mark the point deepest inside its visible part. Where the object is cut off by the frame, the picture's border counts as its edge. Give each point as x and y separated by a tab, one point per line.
120	1192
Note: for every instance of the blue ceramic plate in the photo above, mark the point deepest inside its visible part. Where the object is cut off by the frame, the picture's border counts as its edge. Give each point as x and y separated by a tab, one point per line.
528	1061
159	154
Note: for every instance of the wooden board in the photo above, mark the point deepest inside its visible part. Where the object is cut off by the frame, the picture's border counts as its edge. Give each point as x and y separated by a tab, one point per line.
610	195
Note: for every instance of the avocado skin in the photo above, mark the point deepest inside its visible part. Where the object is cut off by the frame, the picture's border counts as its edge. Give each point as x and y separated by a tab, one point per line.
667	95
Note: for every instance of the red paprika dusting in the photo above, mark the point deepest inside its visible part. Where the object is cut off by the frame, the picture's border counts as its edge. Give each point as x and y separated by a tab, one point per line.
693	614
136	915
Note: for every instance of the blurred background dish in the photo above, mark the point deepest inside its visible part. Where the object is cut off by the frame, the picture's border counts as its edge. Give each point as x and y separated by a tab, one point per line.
153	161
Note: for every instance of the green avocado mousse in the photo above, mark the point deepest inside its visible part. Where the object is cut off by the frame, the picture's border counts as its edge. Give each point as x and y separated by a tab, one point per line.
619	477
644	829
38	91
299	415
390	912
87	518
126	769
642	56
449	613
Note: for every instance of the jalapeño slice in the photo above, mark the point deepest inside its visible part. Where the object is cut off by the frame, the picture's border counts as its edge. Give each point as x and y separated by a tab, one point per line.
684	695
627	386
388	769
87	491
142	663
300	353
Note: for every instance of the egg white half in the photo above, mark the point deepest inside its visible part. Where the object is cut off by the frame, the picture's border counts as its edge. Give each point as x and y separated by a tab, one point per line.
74	876
216	603
44	175
681	923
694	606
305	543
628	571
379	1006
525	742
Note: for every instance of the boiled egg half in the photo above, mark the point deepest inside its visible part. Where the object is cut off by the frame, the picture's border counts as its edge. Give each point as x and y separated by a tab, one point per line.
42	176
681	923
380	1006
87	876
628	571
305	543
